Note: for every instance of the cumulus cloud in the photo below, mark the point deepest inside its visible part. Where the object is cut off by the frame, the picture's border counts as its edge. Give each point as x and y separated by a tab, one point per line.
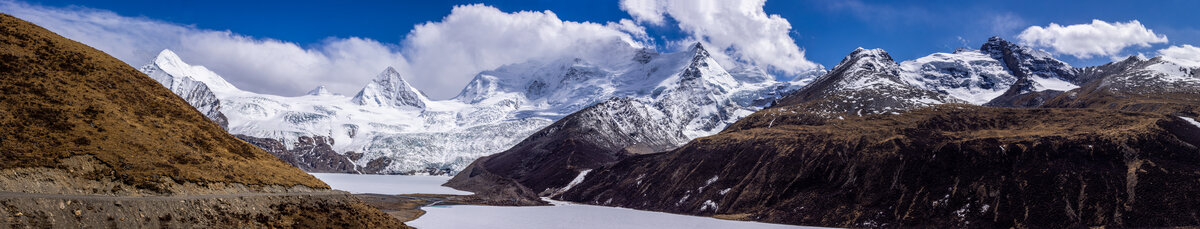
475	38
1099	38
438	57
740	29
449	52
1185	55
260	65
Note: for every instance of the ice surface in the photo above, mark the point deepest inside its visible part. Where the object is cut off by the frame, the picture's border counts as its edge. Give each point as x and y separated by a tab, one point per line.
566	215
388	184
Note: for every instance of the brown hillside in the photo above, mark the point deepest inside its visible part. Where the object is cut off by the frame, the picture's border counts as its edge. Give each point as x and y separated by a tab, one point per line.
62	102
947	166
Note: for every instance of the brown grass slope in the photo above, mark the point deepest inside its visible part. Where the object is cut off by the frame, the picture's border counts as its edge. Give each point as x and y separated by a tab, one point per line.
86	140
60	98
946	166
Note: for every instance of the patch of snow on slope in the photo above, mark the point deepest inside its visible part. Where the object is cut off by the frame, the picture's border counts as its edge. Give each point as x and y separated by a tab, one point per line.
1173	72
1056	84
1192	121
578	179
709	204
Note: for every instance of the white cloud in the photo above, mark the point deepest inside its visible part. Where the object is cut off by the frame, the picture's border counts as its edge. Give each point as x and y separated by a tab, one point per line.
1099	38
449	52
1004	24
438	57
740	28
1185	55
260	65
475	38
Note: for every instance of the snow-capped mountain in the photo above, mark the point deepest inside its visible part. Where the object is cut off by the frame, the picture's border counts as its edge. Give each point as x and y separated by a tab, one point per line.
1140	75
1137	84
390	90
191	83
868	81
391	127
698	100
999	73
969	75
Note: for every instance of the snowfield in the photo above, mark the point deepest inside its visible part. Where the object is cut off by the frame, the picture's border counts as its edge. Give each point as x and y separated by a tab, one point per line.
568	215
388	184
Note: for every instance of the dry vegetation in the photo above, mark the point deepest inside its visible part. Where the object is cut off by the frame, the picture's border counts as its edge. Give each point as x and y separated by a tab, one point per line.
60	98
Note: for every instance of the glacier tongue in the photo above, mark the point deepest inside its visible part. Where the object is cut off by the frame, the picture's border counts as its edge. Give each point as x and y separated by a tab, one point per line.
391	127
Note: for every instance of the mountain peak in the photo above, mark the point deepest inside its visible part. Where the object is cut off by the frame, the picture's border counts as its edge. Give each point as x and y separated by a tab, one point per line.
320	90
871	53
390	89
699	49
868	59
389	73
167	68
168	56
997	40
866	81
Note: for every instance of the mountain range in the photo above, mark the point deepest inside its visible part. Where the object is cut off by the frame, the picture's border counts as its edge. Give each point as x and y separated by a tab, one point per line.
391	127
875	143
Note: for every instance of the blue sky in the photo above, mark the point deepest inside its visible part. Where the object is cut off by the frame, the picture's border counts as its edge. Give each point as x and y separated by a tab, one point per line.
825	30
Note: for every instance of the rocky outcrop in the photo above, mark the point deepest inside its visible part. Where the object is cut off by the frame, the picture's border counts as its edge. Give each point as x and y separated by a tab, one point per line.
311	154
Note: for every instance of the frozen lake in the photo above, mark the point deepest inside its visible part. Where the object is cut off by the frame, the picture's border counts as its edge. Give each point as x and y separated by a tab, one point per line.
388	184
568	215
562	215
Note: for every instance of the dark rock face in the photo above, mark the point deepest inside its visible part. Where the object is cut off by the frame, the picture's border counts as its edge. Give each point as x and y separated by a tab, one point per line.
1022	95
312	154
947	166
549	159
1025	63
